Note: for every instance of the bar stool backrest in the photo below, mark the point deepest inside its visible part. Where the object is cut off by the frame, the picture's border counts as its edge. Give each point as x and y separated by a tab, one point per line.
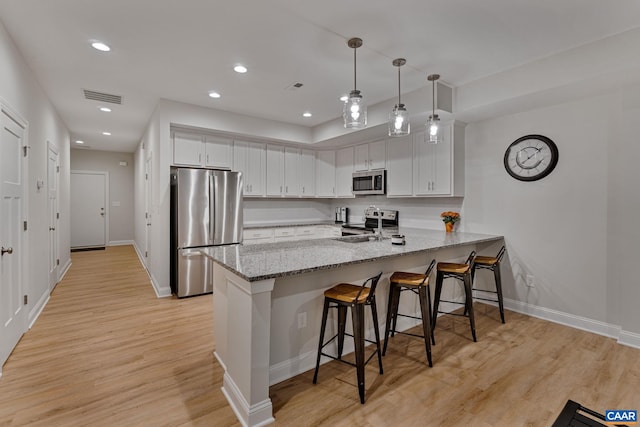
372	288
500	254
429	269
471	260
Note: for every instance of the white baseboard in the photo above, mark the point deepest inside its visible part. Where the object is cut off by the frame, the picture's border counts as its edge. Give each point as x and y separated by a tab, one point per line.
629	339
594	326
161	292
37	309
65	268
121	242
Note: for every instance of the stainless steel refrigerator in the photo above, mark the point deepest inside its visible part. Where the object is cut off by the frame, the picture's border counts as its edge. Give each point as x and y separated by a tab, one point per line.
206	210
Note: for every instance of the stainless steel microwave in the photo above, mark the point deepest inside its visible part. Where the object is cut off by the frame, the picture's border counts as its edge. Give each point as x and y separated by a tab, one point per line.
370	182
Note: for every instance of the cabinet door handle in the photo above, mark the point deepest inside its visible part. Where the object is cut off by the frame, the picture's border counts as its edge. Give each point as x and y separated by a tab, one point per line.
199	158
286	189
303	189
281	189
6	251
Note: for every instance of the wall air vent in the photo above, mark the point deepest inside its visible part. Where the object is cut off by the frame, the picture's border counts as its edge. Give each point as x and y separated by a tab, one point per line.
102	97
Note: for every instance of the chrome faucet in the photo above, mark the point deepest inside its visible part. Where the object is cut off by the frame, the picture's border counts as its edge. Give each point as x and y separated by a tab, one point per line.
379	214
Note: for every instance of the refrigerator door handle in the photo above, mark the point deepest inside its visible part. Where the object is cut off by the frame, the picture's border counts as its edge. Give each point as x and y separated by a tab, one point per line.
212	208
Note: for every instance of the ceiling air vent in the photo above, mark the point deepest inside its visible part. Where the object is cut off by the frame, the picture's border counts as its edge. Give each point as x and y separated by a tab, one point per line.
102	97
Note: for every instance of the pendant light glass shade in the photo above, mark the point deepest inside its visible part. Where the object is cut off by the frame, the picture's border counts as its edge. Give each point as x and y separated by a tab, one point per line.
433	134
399	118
354	111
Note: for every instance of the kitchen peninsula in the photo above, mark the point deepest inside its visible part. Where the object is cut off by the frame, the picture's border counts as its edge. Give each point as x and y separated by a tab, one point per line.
267	301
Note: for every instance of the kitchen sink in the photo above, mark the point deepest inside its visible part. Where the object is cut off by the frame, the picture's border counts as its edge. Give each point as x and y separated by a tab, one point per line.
357	239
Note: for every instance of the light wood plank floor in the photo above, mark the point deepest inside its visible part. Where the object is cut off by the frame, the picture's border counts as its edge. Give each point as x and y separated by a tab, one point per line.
107	352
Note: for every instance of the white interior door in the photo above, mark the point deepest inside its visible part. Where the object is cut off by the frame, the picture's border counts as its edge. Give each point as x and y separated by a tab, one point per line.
88	209
12	312
53	172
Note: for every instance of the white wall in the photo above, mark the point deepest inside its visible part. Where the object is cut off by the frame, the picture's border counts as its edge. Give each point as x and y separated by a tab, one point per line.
20	90
559	229
121	188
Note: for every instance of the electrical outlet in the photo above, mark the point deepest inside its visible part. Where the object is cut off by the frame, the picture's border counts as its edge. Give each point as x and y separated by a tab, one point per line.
302	320
531	282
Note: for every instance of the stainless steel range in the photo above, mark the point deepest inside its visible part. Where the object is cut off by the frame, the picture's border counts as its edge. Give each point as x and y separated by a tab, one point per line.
372	215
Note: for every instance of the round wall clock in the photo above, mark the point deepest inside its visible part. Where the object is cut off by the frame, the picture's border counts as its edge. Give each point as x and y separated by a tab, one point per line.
531	157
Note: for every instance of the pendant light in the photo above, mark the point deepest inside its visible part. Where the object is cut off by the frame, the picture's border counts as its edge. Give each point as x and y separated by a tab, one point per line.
434	133
399	118
354	111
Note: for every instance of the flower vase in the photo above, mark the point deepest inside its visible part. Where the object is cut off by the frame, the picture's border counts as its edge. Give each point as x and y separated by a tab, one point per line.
449	226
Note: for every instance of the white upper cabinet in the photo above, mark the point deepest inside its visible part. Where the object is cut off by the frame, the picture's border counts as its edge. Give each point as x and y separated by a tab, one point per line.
370	156
250	159
400	166
344	172
202	151
292	174
275	170
326	173
439	168
307	173
218	152
187	149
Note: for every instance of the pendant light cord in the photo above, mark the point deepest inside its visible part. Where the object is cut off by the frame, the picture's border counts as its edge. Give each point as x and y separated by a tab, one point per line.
433	98
399	101
355	87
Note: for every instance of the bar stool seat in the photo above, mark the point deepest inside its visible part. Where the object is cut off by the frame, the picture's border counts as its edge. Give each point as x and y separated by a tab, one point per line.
417	283
462	272
343	296
493	264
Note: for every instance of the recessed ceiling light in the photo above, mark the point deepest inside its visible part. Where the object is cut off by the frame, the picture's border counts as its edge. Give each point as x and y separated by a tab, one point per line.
214	94
79	142
105	109
240	69
344	98
100	46
106	133
307	114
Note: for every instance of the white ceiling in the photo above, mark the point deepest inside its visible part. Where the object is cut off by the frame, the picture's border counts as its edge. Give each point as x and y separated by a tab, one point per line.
180	50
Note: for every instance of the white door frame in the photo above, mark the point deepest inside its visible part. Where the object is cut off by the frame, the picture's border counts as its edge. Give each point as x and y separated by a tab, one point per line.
52	148
148	169
24	124
106	199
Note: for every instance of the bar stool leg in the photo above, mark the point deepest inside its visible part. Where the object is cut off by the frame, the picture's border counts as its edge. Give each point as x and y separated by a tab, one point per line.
391	313
325	311
357	313
469	304
436	302
433	338
342	323
376	329
426	322
496	274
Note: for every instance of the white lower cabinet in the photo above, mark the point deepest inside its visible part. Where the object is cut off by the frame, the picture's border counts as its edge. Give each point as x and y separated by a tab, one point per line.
284	234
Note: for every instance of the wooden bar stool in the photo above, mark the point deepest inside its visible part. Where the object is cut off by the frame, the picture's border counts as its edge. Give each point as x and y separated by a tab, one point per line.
418	284
493	264
460	272
343	296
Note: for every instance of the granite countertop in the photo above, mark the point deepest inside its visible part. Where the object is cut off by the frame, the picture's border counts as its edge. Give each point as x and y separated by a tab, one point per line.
269	260
293	224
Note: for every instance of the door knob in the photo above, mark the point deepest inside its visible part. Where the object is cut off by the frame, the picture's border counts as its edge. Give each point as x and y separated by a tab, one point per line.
52	229
101	213
6	251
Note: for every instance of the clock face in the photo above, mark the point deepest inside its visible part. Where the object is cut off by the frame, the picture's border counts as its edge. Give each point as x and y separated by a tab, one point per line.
531	157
